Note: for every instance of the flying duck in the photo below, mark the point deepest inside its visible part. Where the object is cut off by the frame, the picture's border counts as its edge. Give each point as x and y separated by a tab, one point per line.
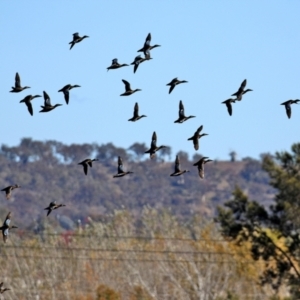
115	65
182	116
153	148
139	59
177	171
87	162
17	88
47	104
128	90
27	101
5	227
195	138
147	46
228	105
241	91
52	206
66	90
2	289
200	164
288	108
136	116
121	172
77	39
174	82
9	189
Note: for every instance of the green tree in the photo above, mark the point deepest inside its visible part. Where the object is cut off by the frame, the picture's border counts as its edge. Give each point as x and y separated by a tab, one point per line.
273	233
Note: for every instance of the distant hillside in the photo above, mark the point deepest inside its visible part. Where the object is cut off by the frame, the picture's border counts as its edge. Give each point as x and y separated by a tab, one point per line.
49	171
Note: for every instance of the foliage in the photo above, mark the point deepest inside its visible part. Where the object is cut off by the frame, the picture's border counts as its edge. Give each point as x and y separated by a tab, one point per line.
153	257
274	233
49	171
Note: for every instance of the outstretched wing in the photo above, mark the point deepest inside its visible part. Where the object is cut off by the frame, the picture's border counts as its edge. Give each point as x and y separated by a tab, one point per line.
17	81
29	107
127	85
199	130
66	94
229	107
120	165
136	110
177	164
288	110
201	170
181	109
47	99
154	140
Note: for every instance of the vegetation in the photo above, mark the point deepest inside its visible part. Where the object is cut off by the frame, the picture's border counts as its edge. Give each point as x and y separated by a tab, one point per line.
121	257
273	234
49	171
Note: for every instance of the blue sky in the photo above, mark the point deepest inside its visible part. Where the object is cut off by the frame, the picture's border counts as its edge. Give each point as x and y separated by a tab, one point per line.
214	45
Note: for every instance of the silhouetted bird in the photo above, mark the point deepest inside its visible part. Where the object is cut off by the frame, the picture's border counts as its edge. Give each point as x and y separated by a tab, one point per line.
139	59
2	289
52	206
121	172
173	83
66	90
17	88
182	116
288	108
47	103
9	189
87	162
5	227
147	47
153	148
228	105
241	91
27	101
177	171
200	164
195	138
77	39
128	90
115	65
136	116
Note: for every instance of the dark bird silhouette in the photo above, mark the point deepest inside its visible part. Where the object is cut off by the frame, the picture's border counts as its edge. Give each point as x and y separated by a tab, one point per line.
147	47
153	148
47	103
177	171
138	60
175	82
86	163
288	108
5	228
2	289
128	90
27	101
241	91
228	105
200	164
182	116
9	189
136	116
17	88
77	39
53	206
66	90
195	138
116	65
121	172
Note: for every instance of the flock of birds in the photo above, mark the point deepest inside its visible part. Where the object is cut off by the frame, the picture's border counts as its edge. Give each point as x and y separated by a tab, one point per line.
47	107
